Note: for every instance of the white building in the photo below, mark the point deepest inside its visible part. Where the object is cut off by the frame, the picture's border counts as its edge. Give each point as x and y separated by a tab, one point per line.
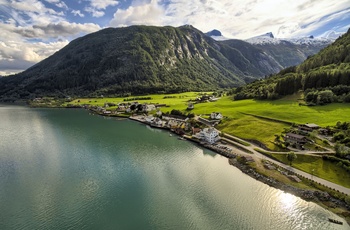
149	119
148	107
209	135
216	116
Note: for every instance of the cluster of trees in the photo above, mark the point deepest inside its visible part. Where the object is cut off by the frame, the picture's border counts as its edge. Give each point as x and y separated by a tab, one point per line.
137	98
340	162
342	135
176	112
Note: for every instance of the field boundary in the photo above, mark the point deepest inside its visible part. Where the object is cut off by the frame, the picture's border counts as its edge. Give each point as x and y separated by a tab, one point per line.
268	118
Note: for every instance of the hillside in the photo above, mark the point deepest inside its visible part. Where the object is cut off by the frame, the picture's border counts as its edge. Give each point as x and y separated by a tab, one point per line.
324	77
139	60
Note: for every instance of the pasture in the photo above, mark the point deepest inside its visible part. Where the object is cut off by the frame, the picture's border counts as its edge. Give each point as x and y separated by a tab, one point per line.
248	119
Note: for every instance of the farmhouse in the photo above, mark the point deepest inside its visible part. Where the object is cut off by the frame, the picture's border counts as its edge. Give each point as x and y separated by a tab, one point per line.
308	127
295	138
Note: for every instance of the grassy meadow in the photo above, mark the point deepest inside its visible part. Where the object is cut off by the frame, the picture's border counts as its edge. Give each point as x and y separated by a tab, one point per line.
248	119
318	167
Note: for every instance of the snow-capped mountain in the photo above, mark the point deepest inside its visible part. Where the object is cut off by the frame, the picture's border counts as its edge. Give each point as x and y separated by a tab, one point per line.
268	38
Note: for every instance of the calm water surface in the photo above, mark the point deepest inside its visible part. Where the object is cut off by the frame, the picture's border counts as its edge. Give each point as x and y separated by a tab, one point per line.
66	169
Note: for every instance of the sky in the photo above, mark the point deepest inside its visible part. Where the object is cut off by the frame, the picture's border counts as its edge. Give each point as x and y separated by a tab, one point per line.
31	30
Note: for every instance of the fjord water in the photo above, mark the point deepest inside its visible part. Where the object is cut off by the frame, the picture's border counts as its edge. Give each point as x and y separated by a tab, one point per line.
67	169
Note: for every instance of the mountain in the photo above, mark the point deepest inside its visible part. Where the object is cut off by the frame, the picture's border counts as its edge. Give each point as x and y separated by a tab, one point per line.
145	59
289	52
324	77
213	33
136	60
269	38
216	35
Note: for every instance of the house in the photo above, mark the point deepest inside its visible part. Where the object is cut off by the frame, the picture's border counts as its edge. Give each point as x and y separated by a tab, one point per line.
172	123
306	128
107	112
210	135
216	116
195	130
149	119
148	107
121	108
158	122
295	138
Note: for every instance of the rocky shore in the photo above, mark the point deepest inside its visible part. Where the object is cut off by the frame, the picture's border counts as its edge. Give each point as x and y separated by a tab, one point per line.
319	197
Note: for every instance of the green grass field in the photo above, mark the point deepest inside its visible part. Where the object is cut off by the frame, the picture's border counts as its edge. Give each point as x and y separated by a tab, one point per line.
318	167
238	123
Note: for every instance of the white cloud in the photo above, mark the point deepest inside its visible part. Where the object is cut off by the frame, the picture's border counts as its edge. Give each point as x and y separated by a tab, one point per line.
94	12
77	13
16	56
146	14
239	18
52	1
62	5
97	7
103	4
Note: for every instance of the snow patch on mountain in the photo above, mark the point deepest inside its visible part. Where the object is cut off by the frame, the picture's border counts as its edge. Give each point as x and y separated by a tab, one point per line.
268	38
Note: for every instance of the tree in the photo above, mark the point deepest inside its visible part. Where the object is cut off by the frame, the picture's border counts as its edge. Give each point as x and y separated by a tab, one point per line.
291	157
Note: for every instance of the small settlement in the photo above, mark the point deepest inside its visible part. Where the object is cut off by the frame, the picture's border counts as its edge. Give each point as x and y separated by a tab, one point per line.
199	129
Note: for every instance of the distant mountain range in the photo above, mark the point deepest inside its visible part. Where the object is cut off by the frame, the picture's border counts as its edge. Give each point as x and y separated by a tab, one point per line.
324	77
148	59
269	38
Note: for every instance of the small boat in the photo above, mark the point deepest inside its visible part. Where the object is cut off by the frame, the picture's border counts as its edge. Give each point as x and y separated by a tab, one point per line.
335	221
181	138
170	135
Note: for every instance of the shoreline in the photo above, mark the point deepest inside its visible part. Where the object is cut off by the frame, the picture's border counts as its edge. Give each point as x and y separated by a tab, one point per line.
316	196
305	194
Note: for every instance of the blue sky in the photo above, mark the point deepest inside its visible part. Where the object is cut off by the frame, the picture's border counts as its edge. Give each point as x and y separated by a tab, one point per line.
31	30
